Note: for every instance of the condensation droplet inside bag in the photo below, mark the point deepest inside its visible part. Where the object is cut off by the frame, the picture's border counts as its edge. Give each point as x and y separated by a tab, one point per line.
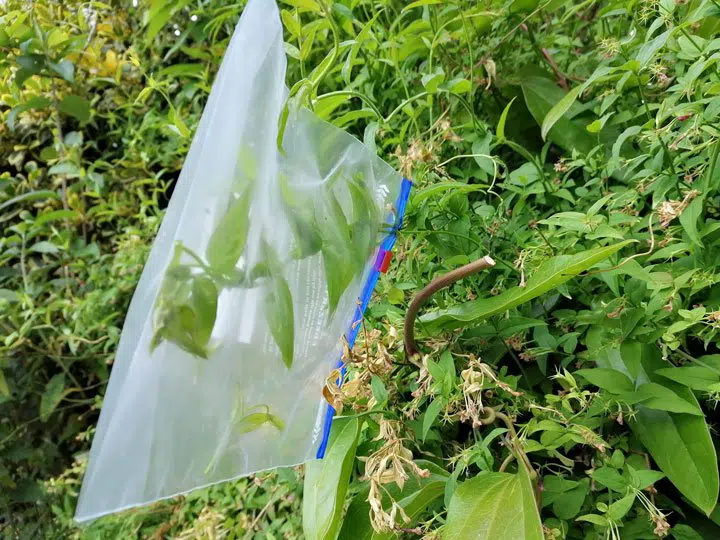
251	283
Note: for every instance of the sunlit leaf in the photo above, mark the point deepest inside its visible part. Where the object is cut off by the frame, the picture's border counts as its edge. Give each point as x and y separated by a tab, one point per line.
547	277
326	482
494	506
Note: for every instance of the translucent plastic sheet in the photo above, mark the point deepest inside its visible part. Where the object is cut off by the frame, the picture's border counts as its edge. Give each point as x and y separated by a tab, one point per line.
252	280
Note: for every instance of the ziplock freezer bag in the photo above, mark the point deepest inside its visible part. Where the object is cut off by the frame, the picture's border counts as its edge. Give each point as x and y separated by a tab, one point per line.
250	285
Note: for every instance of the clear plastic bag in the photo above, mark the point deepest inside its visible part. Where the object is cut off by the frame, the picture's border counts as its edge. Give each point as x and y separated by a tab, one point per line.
252	281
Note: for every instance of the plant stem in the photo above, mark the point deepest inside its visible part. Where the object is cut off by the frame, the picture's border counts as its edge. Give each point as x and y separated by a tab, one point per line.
425	294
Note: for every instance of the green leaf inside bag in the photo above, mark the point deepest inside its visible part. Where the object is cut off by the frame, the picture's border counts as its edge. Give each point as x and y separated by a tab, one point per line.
227	243
280	317
279	311
338	260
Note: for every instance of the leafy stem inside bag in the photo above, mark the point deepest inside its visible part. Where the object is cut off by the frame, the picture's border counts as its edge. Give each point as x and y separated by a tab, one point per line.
186	306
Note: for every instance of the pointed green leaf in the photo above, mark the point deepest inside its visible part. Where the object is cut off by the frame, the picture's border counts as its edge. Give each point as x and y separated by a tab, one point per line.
559	109
494	506
689	219
611	380
648	50
64	68
338	261
280	317
251	422
657	396
500	131
227	243
431	81
548	276
204	302
618	509
541	95
52	396
431	414
695	377
327	480
562	106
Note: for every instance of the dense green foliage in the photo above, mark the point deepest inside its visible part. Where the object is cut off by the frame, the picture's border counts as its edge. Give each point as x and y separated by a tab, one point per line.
568	391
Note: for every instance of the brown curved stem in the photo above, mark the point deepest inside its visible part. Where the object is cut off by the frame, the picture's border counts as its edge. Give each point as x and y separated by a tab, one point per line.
434	286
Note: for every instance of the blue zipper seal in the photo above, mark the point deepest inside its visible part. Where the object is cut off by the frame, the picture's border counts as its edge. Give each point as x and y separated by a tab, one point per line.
382	261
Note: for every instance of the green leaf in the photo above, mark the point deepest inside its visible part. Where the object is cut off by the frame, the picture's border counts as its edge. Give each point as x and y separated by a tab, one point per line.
302	220
680	444
255	420
618	509
4	388
611	380
76	106
611	479
327	480
431	414
64	68
338	260
568	504
52	396
500	130
494	506
432	81
689	219
459	86
310	5
30	196
160	15
44	247
441	187
65	168
561	107
9	295
548	276
645	478
204	303
55	215
379	391
648	50
541	95
695	377
227	243
415	504
365	223
280	316
657	396
685	532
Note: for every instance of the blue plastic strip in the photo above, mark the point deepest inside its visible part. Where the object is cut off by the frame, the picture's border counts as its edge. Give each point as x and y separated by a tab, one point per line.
386	246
